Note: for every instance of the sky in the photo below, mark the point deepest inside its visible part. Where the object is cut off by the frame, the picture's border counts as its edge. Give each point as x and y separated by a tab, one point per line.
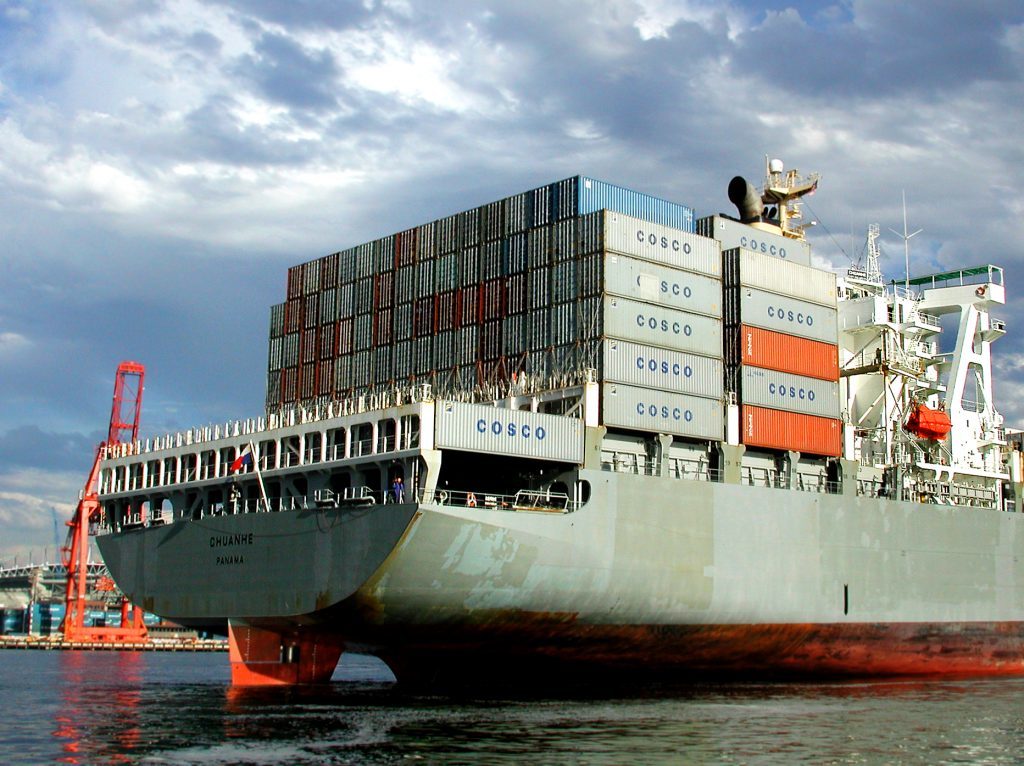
163	162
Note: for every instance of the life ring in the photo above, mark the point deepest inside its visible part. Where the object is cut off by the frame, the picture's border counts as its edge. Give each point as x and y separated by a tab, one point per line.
442	497
980	292
471	500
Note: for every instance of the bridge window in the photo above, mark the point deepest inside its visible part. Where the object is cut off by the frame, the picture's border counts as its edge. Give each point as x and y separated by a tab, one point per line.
290	451
268	455
336	444
313	441
207	462
386	432
362	439
189	466
411	431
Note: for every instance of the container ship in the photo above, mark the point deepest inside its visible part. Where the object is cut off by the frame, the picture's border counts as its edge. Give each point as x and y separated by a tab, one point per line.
577	431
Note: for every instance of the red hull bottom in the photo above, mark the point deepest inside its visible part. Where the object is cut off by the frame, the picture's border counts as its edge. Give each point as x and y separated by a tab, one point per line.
839	650
526	649
263	657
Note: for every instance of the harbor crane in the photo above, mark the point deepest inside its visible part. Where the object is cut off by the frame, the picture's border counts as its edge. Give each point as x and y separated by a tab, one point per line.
124	428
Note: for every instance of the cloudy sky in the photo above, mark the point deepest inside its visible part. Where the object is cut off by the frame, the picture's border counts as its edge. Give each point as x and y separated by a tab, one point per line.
162	163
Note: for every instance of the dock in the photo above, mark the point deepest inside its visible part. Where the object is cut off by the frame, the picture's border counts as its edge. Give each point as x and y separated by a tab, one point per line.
154	645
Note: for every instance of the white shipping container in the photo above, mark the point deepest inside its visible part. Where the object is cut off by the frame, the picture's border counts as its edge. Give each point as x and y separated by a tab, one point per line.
631	236
734	234
790	393
665	285
483	428
750	269
659	326
645	409
781	313
650	367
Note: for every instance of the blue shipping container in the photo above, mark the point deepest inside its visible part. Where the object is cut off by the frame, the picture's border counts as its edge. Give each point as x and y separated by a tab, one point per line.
594	195
13	621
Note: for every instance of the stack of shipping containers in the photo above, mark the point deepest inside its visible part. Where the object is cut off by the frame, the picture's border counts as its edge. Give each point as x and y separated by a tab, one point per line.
577	274
509	288
732	234
781	351
661	315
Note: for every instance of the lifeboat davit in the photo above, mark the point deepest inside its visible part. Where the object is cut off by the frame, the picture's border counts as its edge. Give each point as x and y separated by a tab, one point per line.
927	423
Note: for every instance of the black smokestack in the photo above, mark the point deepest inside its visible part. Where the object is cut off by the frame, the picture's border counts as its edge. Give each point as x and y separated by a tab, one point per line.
746	199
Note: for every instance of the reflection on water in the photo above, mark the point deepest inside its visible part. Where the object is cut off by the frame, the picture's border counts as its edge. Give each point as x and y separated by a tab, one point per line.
108	708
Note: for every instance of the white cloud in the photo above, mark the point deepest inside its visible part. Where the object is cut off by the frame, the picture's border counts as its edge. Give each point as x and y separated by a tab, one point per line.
34	506
11	343
657	17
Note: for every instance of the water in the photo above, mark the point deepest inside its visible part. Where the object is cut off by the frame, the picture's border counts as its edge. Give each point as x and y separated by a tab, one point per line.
110	708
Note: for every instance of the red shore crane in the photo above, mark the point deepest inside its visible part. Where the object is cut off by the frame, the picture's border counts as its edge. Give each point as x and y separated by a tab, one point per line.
124	428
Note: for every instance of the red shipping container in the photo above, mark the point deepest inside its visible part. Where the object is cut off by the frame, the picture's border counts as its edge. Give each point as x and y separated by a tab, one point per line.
329	271
470	308
787	353
289	379
775	429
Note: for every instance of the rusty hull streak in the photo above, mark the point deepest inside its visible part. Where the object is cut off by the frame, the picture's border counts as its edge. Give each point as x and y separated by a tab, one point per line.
490	643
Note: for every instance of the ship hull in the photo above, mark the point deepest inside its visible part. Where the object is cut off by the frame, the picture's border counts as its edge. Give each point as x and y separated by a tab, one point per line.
651	575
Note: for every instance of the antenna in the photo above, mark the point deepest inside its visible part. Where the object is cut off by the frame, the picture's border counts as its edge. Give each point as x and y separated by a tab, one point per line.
906	243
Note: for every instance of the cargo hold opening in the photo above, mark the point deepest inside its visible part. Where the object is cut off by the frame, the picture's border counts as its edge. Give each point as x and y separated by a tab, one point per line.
488	474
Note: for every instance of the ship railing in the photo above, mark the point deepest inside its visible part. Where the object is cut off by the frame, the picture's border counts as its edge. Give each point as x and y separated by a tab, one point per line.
920	317
630	462
816	482
523	500
694	470
288	416
872	488
756	476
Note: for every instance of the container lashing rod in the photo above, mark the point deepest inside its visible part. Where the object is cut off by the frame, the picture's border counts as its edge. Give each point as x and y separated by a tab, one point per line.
124	422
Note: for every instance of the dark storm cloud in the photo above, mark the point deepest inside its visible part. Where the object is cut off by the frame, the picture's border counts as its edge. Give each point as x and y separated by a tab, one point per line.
888	49
195	316
288	73
32	447
213	132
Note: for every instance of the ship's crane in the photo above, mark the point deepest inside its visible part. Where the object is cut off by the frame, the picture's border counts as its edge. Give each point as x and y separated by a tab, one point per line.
124	427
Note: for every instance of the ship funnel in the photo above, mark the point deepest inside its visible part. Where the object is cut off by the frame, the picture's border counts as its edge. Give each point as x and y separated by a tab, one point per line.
745	197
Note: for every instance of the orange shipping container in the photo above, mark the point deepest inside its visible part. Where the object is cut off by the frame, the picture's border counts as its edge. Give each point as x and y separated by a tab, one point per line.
787	353
763	427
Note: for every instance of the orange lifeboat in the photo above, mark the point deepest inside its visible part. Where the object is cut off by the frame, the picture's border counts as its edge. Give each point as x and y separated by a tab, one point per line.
926	423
